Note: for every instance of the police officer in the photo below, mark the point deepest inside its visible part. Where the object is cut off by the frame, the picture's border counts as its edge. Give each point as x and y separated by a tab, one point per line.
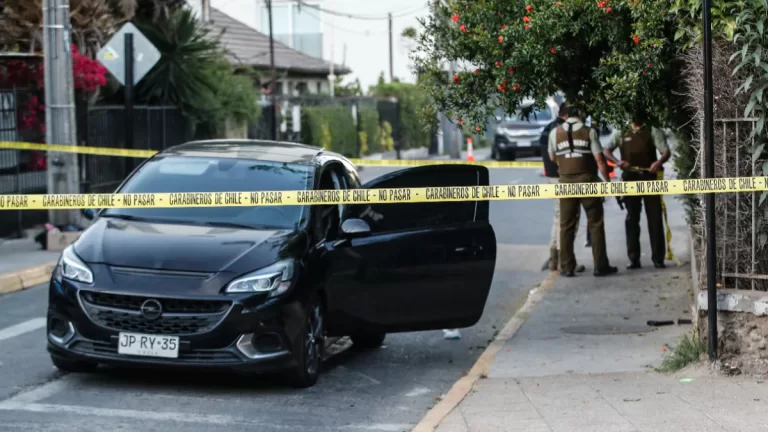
639	162
550	172
577	151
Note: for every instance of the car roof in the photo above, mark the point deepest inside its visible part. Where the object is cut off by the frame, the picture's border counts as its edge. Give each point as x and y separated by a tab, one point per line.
263	150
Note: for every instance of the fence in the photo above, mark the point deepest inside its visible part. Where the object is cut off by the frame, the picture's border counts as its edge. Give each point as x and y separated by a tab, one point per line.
155	128
742	234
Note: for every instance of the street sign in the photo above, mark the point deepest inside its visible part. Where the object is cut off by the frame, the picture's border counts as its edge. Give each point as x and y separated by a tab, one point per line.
145	54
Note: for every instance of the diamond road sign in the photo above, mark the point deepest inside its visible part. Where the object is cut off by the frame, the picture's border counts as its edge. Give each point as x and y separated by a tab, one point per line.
145	55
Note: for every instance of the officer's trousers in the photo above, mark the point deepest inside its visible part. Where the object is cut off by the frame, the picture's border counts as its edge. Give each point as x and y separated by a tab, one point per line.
569	220
654	216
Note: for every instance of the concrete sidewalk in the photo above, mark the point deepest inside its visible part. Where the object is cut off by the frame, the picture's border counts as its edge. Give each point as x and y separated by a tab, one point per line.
24	264
584	357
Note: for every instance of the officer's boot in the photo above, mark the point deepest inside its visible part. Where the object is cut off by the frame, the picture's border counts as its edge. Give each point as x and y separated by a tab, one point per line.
554	256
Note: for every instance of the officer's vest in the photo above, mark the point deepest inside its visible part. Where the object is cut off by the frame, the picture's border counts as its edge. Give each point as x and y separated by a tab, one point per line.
637	148
574	154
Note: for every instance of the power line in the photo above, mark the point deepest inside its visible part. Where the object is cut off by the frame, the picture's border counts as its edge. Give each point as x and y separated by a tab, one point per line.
360	17
334	26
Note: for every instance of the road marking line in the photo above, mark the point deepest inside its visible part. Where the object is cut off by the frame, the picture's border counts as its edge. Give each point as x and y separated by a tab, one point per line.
482	366
21	328
39	393
360	374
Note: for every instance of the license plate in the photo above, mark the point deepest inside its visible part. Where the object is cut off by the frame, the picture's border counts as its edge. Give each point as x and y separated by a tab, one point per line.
523	143
148	345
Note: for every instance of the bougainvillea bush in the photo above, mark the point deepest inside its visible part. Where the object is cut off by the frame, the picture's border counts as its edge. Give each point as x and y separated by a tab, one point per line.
612	57
88	76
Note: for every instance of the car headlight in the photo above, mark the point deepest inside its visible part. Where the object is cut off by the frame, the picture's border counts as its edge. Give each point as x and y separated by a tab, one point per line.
71	267
275	280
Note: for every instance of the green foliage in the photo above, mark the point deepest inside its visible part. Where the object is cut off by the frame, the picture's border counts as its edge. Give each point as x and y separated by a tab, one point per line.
414	102
181	77
345	90
689	29
194	74
686	168
333	127
688	351
612	58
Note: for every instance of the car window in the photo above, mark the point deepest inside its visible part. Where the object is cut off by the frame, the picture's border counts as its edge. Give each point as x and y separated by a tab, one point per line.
327	218
393	216
188	174
537	115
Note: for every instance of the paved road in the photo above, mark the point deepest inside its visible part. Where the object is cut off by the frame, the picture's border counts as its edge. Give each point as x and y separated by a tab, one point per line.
385	390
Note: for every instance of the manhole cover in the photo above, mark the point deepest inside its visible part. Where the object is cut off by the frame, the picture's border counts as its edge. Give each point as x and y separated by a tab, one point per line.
606	329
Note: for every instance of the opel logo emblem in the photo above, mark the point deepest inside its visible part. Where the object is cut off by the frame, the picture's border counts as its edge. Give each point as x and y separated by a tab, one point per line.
151	310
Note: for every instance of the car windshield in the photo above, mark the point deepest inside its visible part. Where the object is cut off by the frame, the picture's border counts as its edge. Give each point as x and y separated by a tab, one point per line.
537	115
187	174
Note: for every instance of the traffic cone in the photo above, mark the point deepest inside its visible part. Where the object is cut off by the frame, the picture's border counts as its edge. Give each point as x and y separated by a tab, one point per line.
470	151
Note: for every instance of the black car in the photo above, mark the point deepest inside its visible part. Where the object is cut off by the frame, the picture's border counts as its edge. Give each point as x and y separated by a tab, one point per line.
262	288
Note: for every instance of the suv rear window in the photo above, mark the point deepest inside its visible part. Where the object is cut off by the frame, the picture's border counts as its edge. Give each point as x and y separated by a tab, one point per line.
192	174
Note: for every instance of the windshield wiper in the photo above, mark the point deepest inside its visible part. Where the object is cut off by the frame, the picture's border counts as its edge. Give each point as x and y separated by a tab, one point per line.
229	225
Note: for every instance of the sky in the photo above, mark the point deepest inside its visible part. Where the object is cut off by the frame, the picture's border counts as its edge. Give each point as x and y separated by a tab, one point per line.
362	45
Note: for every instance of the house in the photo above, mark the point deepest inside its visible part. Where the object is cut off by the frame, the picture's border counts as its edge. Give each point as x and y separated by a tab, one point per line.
298	72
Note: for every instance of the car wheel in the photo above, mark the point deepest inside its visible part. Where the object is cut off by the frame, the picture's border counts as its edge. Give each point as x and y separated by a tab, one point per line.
367	340
310	349
494	154
512	155
73	366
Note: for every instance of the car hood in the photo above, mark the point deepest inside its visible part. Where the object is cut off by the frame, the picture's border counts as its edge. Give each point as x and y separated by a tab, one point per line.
163	246
532	125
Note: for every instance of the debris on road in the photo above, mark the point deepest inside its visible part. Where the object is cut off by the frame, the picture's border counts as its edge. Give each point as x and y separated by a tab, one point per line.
452	334
660	323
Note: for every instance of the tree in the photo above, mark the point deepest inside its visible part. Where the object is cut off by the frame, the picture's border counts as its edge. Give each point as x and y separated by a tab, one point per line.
611	57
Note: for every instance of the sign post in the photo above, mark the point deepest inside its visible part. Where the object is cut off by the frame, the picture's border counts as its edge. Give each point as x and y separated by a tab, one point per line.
129	56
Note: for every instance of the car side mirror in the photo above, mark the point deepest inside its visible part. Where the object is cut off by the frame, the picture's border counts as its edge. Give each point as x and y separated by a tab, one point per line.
353	228
89	214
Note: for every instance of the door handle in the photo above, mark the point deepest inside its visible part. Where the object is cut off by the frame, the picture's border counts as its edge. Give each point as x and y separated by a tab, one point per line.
461	249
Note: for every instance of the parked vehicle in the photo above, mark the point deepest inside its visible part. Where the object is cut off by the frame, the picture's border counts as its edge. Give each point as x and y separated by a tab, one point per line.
262	288
517	135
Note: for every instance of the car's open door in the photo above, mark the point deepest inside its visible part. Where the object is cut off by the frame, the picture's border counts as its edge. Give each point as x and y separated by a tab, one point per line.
421	266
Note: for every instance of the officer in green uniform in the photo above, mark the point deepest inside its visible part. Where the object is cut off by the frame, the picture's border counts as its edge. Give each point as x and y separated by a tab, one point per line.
639	162
578	153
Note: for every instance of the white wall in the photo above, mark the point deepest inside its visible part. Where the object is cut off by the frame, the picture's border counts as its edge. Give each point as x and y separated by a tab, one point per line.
367	41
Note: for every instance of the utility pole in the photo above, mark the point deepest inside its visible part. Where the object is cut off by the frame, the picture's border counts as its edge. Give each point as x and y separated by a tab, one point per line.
391	68
709	172
273	85
63	173
331	76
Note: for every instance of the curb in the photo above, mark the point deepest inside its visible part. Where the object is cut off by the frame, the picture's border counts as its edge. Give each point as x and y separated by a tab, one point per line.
482	366
26	278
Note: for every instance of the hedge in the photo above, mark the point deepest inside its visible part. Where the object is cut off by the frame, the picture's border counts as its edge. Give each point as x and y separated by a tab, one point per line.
333	128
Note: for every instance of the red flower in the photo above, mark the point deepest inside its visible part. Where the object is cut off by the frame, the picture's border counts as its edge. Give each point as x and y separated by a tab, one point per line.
501	39
526	19
477	128
456	79
463	28
502	87
601	4
455	18
459	120
515	87
511	70
608	10
552	50
636	39
498	64
477	71
528	8
527	27
504	27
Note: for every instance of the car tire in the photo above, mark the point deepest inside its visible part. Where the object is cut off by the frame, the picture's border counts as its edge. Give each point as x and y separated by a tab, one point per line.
494	153
309	352
73	366
366	341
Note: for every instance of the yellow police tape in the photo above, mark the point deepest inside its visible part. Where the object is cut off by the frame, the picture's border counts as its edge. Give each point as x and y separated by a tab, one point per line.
383	196
143	154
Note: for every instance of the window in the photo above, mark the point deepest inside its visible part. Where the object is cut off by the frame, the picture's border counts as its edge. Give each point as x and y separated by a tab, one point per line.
398	217
537	115
327	218
187	174
297	26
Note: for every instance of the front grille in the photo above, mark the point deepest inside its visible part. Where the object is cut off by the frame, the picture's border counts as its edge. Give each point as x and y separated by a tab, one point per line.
170	305
192	356
180	316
